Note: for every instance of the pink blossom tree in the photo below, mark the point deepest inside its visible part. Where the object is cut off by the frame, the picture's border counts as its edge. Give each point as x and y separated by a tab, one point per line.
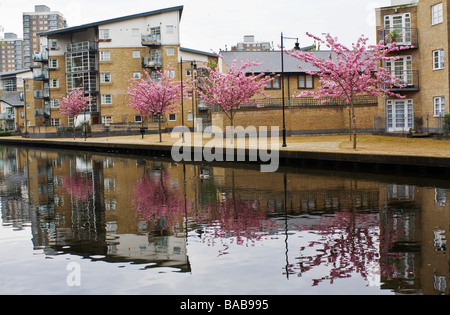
155	97
351	71
73	104
234	88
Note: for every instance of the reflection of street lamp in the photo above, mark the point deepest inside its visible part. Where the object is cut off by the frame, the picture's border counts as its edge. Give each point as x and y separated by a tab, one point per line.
297	47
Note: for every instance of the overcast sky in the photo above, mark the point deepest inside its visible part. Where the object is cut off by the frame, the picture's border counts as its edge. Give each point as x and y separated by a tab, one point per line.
210	25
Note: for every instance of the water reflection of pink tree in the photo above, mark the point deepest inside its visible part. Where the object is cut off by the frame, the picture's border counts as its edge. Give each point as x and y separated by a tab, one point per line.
349	243
234	218
78	186
157	203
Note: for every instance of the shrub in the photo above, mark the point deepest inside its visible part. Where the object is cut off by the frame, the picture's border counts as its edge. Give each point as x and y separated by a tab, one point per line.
6	133
446	124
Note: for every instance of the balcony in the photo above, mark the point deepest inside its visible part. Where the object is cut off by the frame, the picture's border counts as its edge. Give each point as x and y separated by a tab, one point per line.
40	75
42	112
41	56
402	36
41	94
81	46
151	62
7	116
408	79
151	40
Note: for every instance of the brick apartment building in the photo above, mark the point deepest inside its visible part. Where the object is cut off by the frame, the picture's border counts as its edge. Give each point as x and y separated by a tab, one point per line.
423	69
101	57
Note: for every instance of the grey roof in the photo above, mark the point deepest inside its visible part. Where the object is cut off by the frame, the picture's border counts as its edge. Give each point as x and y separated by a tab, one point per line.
194	51
12	98
271	60
123	18
13	73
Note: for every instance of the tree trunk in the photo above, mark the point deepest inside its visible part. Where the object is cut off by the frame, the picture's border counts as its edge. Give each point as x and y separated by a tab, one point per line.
232	130
73	127
159	128
353	123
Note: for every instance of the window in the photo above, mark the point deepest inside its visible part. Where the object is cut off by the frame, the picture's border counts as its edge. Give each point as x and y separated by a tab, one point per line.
53	63
438	59
274	84
105	56
155	118
169	29
105	77
172	117
137	119
106	99
104	34
170	52
136	54
106	120
436	14
54	103
439	106
136	75
54	83
55	122
305	81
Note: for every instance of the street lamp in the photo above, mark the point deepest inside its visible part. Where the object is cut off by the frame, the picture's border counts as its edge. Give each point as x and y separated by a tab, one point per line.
297	47
194	68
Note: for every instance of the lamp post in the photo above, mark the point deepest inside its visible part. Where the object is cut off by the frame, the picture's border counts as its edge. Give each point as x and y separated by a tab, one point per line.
297	47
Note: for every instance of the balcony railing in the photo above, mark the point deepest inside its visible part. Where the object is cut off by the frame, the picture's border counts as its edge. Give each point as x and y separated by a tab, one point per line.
40	56
408	80
41	94
81	46
40	75
151	62
310	101
151	39
42	112
402	36
7	116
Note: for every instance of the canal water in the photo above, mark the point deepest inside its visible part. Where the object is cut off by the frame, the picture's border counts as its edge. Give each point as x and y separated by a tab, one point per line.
93	223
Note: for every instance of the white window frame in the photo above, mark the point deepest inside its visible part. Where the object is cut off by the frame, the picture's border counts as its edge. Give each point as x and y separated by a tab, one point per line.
106	99
137	118
174	117
438	59
105	55
170	51
104	34
107	120
437	12
170	29
136	75
105	77
55	122
53	63
439	106
136	54
54	103
54	83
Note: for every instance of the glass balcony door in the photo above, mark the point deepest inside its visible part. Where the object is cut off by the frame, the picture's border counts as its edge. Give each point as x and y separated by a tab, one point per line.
399	115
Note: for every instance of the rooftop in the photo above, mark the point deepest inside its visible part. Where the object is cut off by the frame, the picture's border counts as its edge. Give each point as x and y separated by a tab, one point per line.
271	60
118	19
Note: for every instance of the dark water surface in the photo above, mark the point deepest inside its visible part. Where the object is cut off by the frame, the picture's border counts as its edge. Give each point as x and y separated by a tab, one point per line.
88	223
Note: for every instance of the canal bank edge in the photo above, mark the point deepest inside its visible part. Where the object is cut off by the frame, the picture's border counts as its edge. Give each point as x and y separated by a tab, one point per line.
379	162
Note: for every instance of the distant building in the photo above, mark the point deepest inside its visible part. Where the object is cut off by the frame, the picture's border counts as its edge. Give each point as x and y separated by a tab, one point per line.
41	20
249	44
11	53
